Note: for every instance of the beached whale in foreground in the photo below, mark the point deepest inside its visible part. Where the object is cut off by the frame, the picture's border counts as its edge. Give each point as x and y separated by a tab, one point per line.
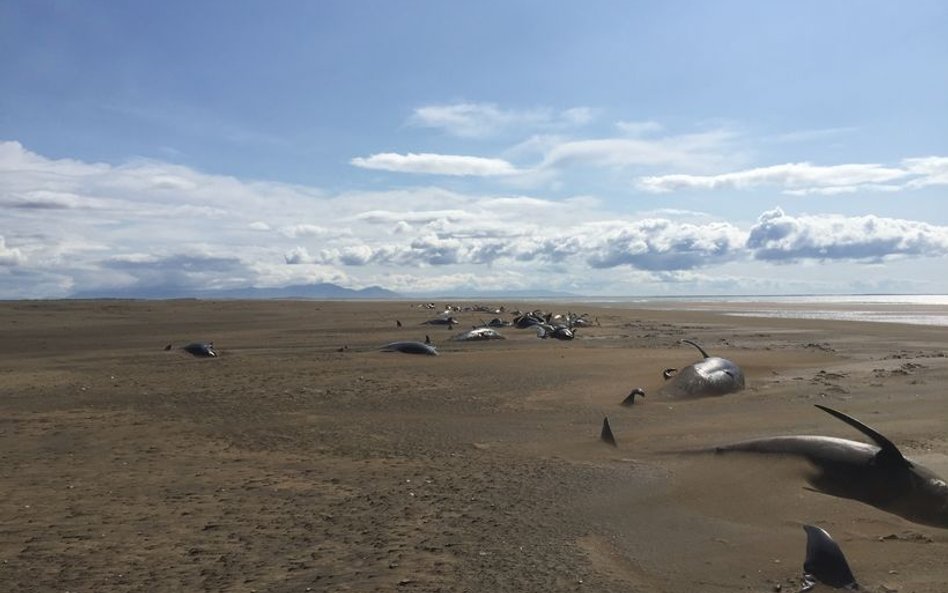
825	562
410	348
878	475
708	377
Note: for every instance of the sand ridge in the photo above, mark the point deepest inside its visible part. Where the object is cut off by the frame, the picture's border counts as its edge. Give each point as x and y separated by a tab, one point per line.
305	459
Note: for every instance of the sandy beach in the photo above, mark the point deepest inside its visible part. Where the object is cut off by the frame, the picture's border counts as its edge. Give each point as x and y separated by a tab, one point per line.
304	459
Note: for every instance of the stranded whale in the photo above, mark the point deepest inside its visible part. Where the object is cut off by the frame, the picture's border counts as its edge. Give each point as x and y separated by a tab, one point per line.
708	377
200	349
878	475
479	334
410	348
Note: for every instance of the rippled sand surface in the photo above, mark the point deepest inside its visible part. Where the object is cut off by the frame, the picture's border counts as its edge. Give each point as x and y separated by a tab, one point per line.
305	459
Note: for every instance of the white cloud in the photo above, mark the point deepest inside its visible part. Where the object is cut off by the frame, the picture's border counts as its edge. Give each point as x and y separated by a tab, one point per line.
790	176
663	245
482	120
414	217
9	256
298	255
807	178
639	128
577	116
836	190
307	230
694	151
147	225
781	237
822	134
932	170
435	164
654	244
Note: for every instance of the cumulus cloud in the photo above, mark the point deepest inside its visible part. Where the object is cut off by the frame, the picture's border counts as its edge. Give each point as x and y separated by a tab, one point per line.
654	244
414	217
435	164
807	178
306	230
481	120
68	227
8	255
77	225
781	237
660	244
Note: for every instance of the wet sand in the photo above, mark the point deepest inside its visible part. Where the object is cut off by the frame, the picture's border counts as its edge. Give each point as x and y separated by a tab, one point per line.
288	465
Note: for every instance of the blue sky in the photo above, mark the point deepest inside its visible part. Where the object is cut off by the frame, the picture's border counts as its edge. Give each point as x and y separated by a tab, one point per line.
608	148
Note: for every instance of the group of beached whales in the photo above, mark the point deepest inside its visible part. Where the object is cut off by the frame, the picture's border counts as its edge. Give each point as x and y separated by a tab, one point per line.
877	474
546	325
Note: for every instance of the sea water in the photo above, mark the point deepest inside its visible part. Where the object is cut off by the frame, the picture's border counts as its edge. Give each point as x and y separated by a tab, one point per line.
915	309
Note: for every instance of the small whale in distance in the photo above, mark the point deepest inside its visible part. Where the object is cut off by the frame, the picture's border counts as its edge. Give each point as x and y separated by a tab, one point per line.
448	321
479	334
410	348
199	349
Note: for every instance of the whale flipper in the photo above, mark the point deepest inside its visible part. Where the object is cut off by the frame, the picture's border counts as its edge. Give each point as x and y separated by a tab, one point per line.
630	399
888	455
825	562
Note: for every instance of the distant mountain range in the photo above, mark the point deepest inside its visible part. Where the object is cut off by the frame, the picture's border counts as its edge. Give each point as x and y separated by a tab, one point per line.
498	294
323	290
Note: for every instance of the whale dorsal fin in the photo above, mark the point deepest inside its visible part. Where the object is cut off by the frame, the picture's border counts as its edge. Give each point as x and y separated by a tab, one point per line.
700	349
888	454
606	434
825	561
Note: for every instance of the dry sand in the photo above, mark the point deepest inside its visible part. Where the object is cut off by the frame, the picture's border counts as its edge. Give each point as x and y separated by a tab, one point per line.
286	465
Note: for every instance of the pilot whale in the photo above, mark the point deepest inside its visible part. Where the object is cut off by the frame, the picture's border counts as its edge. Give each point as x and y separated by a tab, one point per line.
411	348
708	377
878	475
479	334
199	349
